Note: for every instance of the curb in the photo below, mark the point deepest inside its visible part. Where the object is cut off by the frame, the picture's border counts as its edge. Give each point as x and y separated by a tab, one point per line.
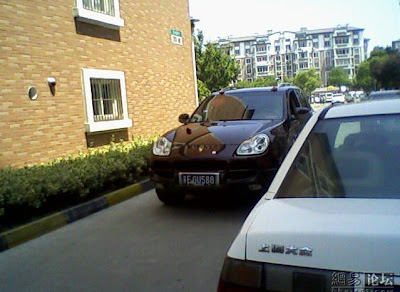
47	224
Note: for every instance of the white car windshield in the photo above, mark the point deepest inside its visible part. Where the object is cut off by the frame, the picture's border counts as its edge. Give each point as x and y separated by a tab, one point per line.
355	157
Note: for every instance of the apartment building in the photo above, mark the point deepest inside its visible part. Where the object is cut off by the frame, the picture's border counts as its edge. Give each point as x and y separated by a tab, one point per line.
284	54
396	45
81	73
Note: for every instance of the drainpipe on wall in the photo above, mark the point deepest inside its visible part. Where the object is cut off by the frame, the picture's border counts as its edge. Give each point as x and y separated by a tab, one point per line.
192	25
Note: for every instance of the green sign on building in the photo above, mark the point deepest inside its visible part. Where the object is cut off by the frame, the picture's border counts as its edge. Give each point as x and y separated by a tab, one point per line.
176	37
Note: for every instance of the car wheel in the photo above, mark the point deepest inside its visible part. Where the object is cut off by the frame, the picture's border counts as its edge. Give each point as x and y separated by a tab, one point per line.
170	198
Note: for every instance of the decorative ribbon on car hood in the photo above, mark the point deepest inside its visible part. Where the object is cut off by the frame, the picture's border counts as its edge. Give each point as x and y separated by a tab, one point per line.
215	133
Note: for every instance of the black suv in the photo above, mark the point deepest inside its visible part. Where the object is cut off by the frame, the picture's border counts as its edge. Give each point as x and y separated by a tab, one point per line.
235	140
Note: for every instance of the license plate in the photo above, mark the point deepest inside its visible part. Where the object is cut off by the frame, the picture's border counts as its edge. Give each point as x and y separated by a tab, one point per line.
199	179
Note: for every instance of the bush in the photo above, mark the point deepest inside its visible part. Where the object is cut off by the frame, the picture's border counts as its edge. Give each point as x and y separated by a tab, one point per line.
38	189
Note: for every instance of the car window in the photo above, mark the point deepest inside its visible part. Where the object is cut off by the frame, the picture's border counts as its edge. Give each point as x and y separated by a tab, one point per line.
240	106
349	157
302	99
346	129
293	102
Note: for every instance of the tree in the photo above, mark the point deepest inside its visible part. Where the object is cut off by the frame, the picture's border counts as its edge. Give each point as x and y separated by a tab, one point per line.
338	77
308	81
202	90
215	68
364	79
385	67
380	71
259	82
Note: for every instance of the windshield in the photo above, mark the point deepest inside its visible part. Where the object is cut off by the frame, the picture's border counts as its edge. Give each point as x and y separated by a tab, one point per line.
349	157
258	105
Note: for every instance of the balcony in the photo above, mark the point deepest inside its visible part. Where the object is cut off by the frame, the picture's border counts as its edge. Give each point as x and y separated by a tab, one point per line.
263	63
261	53
342	45
343	56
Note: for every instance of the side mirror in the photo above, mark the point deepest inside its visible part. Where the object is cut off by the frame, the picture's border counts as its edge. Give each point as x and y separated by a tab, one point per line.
302	110
183	118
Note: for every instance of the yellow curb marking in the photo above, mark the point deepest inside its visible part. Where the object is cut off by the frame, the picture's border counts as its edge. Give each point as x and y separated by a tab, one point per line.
123	194
35	229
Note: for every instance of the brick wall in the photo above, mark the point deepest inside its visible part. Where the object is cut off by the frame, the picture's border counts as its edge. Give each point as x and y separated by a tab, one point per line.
38	40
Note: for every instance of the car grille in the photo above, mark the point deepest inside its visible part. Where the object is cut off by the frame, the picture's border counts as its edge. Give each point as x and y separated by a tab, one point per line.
202	165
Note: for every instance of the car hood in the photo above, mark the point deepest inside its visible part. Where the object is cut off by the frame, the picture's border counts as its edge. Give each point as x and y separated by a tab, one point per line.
224	133
359	235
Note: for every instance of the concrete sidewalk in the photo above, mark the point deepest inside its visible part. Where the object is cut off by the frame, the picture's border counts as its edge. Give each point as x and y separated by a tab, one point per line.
47	224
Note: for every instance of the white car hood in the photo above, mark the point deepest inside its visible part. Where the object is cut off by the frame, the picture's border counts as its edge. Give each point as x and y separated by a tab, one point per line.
359	235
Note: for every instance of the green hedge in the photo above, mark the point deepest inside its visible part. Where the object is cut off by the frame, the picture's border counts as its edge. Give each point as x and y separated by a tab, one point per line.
29	191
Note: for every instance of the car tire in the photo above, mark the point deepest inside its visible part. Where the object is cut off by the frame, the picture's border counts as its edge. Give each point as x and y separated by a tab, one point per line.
170	198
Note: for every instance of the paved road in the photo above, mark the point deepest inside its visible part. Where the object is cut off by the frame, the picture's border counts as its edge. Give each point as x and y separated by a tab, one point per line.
139	245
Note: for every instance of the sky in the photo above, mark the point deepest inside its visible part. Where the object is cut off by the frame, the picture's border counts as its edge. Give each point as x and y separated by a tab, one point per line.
221	18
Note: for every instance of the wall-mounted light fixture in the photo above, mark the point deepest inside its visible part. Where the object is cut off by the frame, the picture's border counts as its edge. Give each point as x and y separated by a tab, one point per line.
52	81
52	84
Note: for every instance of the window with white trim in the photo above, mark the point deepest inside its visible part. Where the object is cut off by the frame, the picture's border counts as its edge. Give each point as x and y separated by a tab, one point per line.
262	69
303	65
249	69
341	40
105	100
303	55
302	44
237	50
261	49
102	12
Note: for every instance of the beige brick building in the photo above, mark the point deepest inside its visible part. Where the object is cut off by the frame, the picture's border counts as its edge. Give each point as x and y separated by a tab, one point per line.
122	69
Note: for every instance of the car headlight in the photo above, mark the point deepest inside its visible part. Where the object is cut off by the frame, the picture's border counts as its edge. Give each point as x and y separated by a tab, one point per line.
255	145
162	147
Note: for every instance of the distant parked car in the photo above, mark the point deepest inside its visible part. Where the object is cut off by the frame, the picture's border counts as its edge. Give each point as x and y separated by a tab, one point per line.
348	97
386	94
338	98
332	211
235	140
324	97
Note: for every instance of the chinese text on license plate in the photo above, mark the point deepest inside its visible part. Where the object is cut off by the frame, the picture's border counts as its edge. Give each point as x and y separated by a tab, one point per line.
198	179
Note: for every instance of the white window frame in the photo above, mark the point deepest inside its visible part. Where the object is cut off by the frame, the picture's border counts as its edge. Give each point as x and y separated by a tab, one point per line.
98	18
249	69
261	49
90	124
262	69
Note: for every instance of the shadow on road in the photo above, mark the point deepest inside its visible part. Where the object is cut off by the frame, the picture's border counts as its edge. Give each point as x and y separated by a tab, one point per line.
216	204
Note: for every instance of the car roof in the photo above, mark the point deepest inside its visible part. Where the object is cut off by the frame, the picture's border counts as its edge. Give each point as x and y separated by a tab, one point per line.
366	108
261	89
384	92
